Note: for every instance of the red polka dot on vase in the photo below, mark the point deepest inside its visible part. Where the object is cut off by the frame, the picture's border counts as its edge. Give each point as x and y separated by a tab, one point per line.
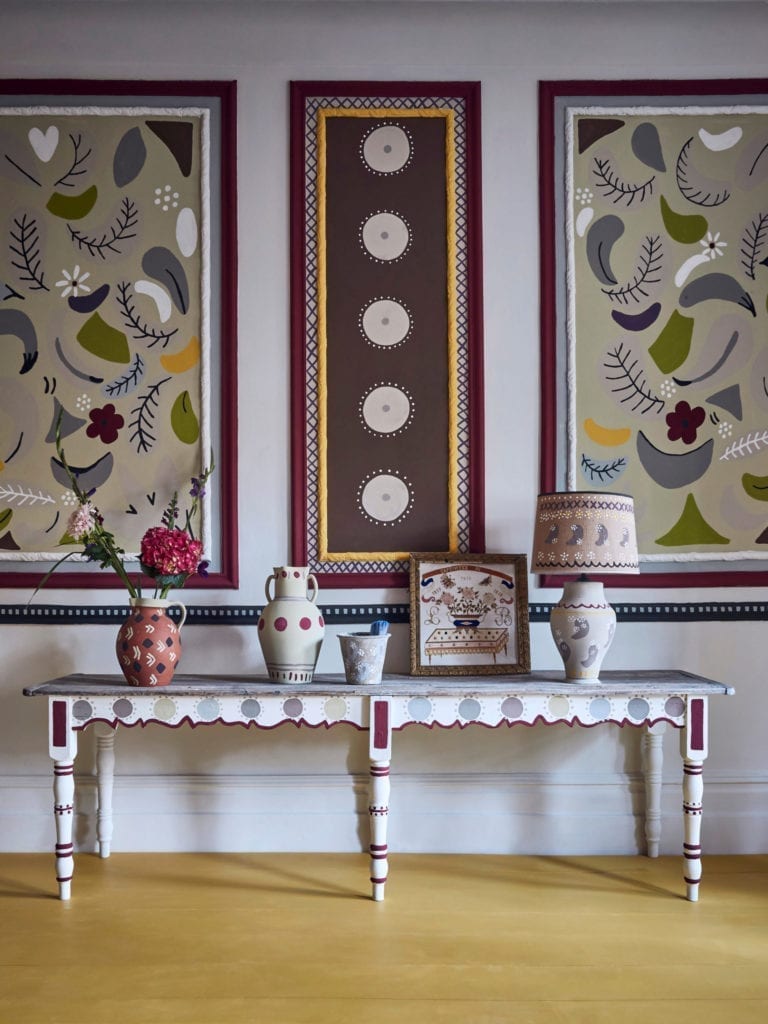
305	623
296	574
261	623
281	624
321	620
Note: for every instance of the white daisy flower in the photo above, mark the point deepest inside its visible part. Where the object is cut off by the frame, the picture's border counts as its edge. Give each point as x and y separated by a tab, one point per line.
72	284
712	245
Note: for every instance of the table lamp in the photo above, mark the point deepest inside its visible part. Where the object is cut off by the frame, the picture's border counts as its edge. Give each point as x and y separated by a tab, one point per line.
579	533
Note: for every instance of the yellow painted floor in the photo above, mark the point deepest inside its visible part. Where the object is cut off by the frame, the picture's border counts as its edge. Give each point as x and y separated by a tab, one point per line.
293	939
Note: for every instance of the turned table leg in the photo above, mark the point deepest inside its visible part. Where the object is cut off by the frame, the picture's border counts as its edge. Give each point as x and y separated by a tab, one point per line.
62	747
378	805
105	777
653	760
693	747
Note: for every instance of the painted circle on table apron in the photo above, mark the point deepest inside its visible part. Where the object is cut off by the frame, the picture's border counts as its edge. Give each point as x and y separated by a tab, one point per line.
250	708
385	322
387	149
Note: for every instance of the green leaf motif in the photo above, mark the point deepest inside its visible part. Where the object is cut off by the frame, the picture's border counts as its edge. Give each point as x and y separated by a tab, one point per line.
671	348
98	338
5	518
683	227
183	419
73	207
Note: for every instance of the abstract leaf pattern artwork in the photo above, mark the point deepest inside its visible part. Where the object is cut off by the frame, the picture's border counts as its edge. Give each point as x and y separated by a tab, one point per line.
662	338
103	324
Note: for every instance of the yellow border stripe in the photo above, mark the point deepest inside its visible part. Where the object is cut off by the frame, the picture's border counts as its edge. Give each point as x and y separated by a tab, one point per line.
322	331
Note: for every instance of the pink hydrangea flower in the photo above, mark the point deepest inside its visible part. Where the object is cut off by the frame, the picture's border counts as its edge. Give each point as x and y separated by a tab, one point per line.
82	521
167	552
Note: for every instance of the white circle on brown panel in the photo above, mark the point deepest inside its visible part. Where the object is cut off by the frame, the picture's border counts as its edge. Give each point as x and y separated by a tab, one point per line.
386	409
387	149
385	322
385	497
385	236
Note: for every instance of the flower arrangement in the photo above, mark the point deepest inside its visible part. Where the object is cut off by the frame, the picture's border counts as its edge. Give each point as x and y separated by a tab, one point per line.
170	553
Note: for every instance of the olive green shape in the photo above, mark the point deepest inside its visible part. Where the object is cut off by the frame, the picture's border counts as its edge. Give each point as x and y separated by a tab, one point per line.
183	419
73	207
671	348
691	528
755	486
98	338
5	518
683	227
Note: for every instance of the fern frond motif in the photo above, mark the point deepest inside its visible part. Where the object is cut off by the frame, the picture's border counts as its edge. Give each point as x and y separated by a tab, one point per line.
602	472
750	444
27	252
626	378
647	273
121	231
75	168
17	494
693	193
141	330
143	421
618	191
128	382
752	244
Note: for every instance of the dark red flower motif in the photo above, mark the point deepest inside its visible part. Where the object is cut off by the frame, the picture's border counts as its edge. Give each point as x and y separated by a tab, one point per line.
105	423
684	422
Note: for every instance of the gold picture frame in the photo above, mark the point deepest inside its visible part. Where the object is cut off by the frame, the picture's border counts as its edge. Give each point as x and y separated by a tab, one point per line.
469	614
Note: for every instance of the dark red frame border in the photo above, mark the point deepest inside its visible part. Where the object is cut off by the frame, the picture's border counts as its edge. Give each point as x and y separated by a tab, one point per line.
470	92
226	458
549	93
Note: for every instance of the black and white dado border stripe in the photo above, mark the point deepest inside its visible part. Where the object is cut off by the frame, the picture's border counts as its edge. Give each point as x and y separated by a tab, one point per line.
363	614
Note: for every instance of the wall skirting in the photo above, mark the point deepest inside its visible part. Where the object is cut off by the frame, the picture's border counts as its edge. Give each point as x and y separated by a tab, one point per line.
484	812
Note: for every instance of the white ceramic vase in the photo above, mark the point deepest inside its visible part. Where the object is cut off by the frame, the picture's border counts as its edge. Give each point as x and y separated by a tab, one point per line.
583	624
291	628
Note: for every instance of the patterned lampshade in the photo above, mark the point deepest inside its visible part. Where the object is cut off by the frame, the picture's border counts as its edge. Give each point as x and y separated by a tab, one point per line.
585	532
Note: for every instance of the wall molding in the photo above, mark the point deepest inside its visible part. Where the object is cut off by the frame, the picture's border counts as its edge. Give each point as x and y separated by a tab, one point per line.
480	812
349	614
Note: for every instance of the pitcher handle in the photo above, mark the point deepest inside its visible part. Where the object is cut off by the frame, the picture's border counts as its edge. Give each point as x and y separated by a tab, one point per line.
272	576
312	584
178	604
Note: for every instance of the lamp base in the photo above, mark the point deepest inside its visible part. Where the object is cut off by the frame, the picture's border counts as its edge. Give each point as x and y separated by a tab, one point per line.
582	624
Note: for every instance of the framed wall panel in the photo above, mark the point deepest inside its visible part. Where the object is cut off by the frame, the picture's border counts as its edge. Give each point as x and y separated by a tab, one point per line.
117	314
654	244
386	326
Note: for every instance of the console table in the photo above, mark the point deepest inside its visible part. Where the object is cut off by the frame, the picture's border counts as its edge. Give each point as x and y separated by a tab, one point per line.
651	700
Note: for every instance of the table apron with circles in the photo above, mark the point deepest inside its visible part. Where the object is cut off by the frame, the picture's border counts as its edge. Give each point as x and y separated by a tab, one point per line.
651	700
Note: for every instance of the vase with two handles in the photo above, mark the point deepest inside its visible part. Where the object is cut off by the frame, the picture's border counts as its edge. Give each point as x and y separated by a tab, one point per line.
148	643
291	626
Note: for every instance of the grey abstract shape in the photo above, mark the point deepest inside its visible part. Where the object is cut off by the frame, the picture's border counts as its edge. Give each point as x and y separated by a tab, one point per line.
602	534
713	369
7	291
66	421
129	157
580	628
577	535
646	146
565	650
14	323
716	286
601	238
88	477
160	264
672	470
592	654
730	400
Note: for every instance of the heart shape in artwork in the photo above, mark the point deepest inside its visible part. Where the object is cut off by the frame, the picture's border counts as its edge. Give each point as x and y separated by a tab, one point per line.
44	143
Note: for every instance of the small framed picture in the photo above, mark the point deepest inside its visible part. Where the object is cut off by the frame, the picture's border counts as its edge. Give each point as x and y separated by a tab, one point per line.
469	614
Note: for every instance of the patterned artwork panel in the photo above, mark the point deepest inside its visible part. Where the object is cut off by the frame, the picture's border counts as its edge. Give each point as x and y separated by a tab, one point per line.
103	316
658	210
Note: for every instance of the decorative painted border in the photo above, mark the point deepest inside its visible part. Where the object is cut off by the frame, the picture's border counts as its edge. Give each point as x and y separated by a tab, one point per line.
308	100
335	615
221	98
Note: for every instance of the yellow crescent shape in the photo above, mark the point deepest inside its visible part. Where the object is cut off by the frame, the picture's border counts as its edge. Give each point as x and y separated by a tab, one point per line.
605	435
178	362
